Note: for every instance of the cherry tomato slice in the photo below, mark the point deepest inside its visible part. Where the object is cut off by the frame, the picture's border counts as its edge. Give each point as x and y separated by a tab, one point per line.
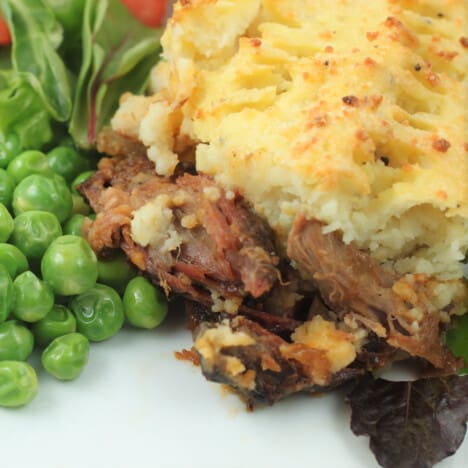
149	12
5	37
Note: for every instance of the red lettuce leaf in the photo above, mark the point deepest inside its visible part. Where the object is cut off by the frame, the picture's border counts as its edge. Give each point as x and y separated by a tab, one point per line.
411	424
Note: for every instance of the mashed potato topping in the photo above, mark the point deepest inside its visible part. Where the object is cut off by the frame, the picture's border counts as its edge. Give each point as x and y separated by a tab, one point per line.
351	111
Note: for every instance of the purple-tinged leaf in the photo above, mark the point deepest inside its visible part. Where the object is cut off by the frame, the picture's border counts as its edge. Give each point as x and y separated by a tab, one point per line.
411	424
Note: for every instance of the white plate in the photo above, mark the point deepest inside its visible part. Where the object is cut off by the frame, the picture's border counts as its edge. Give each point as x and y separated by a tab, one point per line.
136	406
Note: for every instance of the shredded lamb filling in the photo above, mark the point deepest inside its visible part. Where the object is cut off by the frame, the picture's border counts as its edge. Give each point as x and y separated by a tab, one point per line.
259	325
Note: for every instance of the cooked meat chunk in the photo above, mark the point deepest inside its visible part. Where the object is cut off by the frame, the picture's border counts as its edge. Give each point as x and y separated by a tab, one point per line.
249	355
353	284
218	245
281	326
260	365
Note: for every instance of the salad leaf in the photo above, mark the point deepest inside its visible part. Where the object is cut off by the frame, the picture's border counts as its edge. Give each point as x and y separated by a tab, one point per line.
22	111
36	35
5	59
68	12
457	340
118	53
411	424
70	15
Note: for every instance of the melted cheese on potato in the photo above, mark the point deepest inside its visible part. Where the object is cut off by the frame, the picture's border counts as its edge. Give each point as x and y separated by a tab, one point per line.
322	334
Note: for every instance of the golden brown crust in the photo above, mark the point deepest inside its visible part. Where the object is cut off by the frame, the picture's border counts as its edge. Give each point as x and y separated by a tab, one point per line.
351	112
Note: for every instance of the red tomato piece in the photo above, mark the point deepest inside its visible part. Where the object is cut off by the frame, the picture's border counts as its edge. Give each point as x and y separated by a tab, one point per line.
149	12
5	37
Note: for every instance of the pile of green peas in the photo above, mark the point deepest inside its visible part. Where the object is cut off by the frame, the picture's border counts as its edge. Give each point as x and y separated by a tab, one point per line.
55	295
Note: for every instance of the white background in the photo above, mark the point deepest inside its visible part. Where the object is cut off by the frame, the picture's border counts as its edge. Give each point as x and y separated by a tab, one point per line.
136	406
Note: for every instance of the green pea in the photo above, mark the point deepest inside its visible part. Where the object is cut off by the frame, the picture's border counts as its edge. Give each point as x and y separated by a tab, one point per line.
79	179
18	383
67	162
33	298
74	224
6	223
69	265
66	357
59	321
13	259
6	294
7	186
10	147
16	341
27	163
145	305
116	271
79	205
34	231
99	312
39	192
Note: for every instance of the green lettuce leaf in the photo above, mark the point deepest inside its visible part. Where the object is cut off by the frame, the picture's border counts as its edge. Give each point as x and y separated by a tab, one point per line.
457	340
69	13
5	58
22	111
118	53
36	36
